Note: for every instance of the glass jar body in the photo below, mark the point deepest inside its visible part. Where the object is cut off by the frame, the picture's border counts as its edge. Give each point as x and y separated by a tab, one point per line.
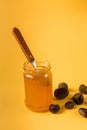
38	86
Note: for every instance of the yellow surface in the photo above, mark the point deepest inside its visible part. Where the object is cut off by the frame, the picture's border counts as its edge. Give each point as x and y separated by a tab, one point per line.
55	30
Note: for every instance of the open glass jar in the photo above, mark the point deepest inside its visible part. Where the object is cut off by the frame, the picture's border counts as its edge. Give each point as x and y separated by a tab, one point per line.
38	86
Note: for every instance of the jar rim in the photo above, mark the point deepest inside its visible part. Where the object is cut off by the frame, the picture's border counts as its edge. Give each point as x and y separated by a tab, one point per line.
43	66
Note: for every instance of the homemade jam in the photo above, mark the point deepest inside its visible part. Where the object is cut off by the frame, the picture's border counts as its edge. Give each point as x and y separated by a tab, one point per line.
38	86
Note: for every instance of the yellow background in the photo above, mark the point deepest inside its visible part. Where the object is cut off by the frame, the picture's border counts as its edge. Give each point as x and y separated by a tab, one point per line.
55	30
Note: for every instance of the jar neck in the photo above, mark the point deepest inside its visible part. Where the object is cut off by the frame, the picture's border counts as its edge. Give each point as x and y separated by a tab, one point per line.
42	67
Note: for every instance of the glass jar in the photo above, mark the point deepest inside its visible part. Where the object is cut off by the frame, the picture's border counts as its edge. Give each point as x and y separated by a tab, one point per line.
38	86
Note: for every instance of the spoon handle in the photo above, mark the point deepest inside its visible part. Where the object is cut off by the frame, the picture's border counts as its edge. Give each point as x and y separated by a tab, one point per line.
23	45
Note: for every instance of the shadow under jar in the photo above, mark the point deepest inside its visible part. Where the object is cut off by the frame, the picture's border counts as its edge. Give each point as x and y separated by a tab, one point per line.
38	86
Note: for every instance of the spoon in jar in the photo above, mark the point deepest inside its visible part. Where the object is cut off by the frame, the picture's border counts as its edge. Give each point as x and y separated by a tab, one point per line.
24	47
